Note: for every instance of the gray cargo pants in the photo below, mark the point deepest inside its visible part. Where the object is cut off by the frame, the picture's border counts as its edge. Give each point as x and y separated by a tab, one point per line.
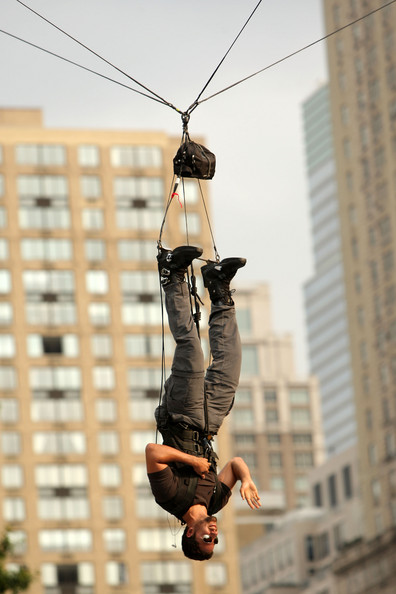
188	385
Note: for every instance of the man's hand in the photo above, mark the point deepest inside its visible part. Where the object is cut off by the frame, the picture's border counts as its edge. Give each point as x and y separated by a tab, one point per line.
249	494
200	465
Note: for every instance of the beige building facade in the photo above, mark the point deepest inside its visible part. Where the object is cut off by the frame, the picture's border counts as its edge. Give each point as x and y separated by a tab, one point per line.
80	359
275	423
362	69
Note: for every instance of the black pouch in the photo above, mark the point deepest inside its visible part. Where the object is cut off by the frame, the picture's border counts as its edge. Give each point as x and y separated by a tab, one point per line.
194	160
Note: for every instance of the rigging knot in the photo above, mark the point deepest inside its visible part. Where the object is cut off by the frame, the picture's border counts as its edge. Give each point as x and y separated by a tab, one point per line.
185	119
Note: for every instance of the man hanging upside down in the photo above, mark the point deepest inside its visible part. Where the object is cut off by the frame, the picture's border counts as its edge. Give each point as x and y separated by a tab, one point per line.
182	471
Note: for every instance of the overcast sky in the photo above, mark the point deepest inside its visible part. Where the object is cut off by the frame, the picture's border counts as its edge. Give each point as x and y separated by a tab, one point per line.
259	193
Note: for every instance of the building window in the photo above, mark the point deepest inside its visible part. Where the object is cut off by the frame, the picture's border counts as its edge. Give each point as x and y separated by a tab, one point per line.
136	249
347	482
144	382
55	378
106	410
3	218
193	224
303	460
302	438
65	540
59	442
317	495
61	475
166	576
136	156
244	396
114	540
101	345
242	417
301	483
275	460
8	378
11	476
91	186
18	541
113	507
139	440
51	314
4	251
92	219
108	442
51	250
39	346
300	416
5	281
332	490
250	364
88	156
68	577
99	314
13	509
10	443
299	396
5	314
110	475
274	438
244	321
40	154
270	395
116	573
56	406
141	314
7	346
42	186
277	483
97	282
216	575
147	345
63	505
103	377
271	416
154	540
9	410
244	440
95	250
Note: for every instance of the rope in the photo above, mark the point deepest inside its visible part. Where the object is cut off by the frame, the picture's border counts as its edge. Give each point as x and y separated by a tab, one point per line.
296	52
198	101
82	67
98	55
195	104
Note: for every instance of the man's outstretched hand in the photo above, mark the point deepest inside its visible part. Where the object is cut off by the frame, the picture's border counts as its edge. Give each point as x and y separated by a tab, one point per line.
249	493
200	465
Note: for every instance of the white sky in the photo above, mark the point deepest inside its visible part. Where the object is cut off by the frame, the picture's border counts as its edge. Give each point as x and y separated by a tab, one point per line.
259	192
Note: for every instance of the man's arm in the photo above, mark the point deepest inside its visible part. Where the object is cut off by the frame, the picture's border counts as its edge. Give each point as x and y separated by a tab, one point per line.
159	456
237	469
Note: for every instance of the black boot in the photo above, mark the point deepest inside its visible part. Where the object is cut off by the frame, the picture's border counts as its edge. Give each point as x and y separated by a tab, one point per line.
217	276
173	264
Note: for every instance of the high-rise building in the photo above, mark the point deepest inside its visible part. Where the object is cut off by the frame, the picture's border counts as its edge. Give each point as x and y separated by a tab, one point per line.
362	67
80	359
325	301
275	423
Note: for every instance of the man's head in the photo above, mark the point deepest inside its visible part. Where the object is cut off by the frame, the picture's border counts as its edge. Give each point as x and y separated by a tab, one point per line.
199	540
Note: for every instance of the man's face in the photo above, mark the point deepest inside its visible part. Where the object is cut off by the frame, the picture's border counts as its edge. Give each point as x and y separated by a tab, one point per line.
205	533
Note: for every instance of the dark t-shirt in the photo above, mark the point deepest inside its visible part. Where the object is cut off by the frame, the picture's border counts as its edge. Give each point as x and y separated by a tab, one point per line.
165	486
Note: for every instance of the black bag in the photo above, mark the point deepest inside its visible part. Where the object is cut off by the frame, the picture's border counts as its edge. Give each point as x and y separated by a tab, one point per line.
194	160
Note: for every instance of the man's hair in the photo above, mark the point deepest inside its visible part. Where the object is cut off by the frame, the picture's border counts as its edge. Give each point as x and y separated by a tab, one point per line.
191	548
